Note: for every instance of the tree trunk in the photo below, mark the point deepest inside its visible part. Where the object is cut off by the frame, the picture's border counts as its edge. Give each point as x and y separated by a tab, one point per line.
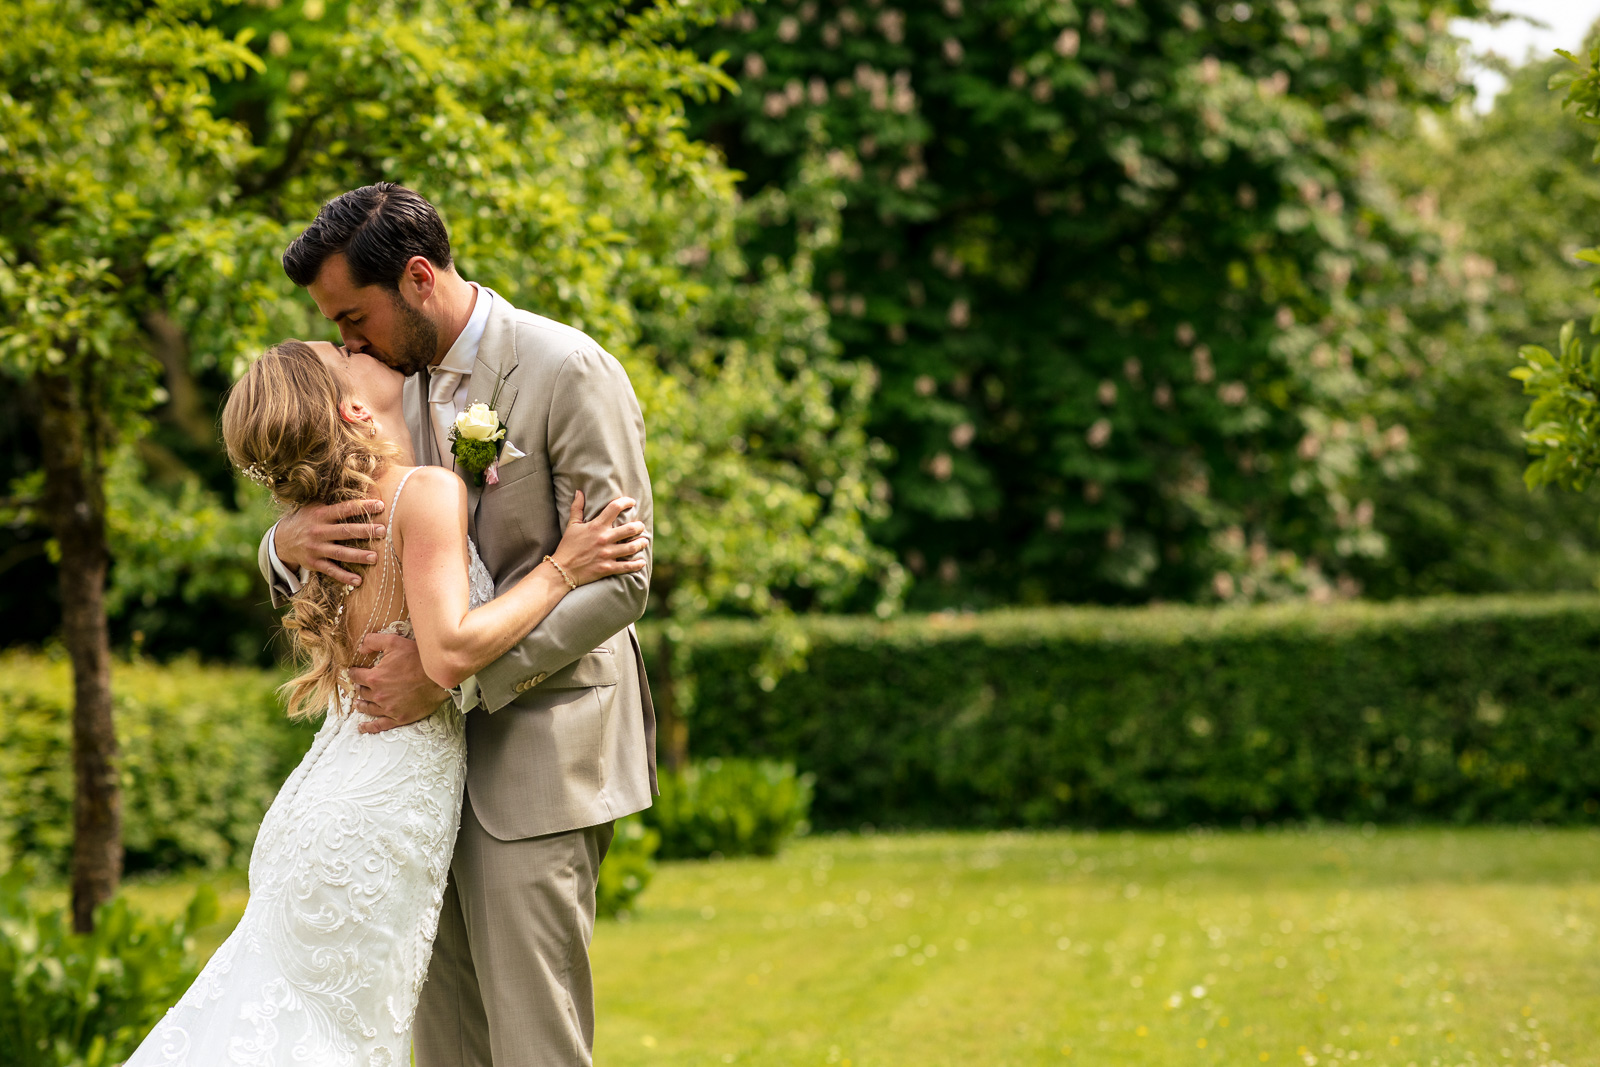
74	503
186	408
674	731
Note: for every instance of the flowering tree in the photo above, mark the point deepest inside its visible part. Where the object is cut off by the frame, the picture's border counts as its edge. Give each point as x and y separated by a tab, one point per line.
1135	298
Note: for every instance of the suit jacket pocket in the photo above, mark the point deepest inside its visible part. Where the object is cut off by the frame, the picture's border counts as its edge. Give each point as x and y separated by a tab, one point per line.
591	669
511	473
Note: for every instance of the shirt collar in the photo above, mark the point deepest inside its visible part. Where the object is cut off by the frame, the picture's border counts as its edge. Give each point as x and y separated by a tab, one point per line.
464	353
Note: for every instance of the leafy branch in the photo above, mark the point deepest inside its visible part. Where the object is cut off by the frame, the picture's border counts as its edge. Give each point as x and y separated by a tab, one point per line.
1562	425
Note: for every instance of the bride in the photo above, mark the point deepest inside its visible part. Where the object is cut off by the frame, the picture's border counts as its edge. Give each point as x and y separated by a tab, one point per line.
348	870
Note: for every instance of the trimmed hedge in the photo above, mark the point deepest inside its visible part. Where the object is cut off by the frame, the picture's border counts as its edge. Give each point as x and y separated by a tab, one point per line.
1448	709
1458	710
204	750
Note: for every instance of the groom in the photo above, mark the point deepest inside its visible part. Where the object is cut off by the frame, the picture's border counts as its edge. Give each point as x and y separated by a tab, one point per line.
560	730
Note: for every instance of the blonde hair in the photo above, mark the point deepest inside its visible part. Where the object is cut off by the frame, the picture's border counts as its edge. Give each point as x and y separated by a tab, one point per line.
283	428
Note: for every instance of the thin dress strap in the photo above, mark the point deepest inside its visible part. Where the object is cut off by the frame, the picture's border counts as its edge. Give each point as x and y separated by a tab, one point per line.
394	506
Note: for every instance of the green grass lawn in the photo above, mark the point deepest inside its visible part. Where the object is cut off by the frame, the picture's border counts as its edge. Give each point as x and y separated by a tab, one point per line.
1426	947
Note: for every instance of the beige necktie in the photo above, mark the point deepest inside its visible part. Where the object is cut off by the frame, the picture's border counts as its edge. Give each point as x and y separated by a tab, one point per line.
442	386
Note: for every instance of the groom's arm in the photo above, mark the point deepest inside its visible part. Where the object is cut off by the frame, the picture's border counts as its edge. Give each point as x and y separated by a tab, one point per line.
309	539
596	444
282	582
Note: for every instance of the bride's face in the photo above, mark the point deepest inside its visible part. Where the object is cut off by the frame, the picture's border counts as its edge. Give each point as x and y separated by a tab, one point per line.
365	379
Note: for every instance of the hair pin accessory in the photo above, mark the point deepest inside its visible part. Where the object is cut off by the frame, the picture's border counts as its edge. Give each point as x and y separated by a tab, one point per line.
257	475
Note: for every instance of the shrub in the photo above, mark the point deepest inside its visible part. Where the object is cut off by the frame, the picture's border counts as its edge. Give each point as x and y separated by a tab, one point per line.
730	807
627	868
1448	709
204	750
87	1000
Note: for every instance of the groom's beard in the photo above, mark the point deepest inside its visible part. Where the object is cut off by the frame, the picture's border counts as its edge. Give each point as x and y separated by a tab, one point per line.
418	343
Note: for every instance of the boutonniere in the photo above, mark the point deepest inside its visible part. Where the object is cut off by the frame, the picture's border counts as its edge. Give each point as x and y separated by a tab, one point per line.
476	440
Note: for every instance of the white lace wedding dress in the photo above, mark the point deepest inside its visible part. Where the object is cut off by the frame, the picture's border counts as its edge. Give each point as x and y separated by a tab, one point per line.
346	881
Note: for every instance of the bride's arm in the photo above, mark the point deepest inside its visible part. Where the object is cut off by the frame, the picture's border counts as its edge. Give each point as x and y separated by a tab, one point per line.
431	534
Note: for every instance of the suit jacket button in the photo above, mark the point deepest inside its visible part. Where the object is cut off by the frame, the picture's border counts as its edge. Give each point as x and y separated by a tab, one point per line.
539	678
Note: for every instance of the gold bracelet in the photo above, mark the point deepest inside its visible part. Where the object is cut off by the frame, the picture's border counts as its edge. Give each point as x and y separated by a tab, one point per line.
565	577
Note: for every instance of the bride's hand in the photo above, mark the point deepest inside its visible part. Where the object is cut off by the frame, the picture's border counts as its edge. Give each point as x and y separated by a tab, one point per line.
598	549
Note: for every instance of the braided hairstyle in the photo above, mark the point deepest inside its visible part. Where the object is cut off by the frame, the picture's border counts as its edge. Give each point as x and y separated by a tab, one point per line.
282	428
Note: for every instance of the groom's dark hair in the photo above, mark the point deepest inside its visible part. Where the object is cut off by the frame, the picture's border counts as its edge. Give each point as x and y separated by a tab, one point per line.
379	228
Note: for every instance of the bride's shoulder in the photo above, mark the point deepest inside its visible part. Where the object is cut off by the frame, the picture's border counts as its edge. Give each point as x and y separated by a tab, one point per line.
429	493
430	475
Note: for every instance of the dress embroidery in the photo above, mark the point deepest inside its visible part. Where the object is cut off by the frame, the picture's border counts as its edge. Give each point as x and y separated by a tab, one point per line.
347	878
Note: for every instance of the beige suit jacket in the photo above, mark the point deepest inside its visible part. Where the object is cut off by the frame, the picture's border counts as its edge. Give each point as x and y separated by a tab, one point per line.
566	734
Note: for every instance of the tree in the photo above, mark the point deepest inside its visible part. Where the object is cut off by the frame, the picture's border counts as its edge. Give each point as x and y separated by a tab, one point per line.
108	145
556	148
1136	295
553	140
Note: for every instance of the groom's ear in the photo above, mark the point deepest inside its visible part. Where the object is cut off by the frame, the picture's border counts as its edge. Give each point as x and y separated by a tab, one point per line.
418	280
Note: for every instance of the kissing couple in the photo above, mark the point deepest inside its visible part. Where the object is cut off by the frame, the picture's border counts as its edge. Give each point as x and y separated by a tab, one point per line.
465	547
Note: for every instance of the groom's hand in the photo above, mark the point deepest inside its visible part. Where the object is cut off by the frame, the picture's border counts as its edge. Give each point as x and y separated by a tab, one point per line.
396	692
310	538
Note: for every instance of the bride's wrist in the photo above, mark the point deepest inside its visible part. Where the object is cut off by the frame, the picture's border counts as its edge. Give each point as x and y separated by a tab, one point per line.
546	579
565	572
557	575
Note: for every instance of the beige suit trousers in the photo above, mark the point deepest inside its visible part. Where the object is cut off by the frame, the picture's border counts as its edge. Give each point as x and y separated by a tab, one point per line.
509	984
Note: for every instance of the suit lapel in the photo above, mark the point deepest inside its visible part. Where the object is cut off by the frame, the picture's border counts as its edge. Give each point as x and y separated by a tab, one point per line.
497	358
491	373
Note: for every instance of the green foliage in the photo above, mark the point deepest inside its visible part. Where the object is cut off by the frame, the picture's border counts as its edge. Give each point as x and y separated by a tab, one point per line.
204	750
1563	422
1564	415
87	1000
1459	710
552	139
628	867
108	147
585	200
1138	302
107	144
1583	88
1512	191
180	538
730	807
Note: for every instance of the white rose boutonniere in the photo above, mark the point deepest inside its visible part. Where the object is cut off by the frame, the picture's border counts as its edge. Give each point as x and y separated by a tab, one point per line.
480	422
476	440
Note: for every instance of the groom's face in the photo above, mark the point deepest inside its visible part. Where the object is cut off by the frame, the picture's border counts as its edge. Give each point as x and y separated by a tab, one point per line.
375	320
